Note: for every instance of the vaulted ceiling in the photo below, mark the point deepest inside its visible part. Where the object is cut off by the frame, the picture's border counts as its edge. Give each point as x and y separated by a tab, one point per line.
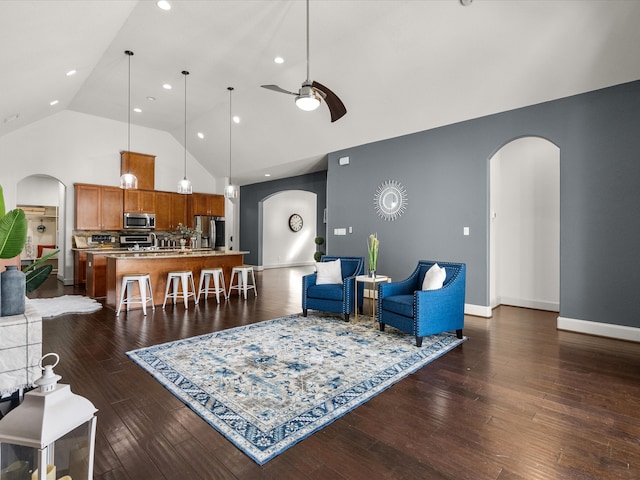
399	67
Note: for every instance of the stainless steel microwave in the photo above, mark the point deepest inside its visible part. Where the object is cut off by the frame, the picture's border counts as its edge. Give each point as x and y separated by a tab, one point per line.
139	221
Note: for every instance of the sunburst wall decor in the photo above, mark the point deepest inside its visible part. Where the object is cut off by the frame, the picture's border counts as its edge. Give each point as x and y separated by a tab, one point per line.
390	200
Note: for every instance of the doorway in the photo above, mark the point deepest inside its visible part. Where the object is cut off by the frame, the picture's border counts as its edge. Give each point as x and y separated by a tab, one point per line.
42	198
524	225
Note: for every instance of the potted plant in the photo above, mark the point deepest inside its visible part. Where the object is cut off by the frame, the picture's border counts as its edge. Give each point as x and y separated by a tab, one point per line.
317	256
372	247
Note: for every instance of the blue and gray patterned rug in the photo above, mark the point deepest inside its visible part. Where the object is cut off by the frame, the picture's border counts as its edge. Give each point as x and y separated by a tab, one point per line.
269	385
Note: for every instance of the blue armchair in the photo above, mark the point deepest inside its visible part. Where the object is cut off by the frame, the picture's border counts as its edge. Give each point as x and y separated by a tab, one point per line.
335	297
405	306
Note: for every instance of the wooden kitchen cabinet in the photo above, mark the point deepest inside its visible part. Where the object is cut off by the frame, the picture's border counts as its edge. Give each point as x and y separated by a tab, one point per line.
141	165
170	209
79	267
98	207
206	204
140	201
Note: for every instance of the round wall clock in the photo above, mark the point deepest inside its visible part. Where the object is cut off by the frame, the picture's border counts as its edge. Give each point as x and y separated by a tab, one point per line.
295	222
390	200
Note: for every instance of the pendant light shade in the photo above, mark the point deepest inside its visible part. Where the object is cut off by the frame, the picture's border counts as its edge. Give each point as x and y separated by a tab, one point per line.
230	190
129	180
184	186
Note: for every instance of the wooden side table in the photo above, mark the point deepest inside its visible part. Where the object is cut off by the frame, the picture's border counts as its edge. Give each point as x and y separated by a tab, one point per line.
366	279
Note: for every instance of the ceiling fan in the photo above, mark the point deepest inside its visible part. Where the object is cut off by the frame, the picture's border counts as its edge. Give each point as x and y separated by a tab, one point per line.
311	92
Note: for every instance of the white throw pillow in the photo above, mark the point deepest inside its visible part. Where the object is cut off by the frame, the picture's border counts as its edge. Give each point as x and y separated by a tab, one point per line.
328	272
434	278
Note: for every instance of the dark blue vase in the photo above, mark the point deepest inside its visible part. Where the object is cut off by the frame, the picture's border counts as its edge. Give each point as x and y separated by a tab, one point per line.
12	291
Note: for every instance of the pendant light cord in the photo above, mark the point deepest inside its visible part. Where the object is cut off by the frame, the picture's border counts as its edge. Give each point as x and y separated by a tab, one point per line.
230	129
307	40
130	54
185	73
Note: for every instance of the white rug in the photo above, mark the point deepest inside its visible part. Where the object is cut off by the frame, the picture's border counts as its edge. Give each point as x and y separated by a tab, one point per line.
67	304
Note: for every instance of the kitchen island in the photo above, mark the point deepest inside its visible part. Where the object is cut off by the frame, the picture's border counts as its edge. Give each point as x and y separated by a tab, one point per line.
158	263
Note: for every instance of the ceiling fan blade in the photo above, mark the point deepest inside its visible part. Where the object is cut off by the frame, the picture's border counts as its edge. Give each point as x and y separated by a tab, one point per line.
276	88
336	107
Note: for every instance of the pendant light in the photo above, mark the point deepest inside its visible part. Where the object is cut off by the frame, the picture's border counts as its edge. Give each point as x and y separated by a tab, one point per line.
230	190
129	180
184	186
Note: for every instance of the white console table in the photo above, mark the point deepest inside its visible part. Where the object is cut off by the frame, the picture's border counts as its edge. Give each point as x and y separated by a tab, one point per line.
20	350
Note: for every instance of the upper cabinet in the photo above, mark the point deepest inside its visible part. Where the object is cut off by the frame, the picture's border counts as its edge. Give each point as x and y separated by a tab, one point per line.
206	204
98	207
142	166
140	201
170	209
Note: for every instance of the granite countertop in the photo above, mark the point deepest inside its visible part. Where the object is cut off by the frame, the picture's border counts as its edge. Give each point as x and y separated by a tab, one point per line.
167	253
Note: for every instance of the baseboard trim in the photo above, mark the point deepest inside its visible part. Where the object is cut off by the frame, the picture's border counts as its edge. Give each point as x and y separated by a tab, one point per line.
621	332
535	304
283	265
477	310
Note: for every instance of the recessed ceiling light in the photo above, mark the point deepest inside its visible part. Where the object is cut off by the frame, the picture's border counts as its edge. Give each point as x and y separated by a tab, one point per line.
267	174
53	102
166	86
71	72
163	5
200	135
236	119
150	98
278	60
137	110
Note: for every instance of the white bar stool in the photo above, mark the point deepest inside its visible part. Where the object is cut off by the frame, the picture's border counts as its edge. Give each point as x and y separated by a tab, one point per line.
205	281
174	281
144	288
242	276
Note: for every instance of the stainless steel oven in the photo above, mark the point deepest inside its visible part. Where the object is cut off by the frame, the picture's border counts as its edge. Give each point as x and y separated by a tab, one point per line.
139	221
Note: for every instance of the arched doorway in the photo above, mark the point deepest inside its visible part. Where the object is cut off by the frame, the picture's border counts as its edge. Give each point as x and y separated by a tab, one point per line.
280	245
525	224
44	198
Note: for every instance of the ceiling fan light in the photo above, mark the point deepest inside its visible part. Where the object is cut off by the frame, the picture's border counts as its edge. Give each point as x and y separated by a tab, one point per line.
308	102
128	181
185	187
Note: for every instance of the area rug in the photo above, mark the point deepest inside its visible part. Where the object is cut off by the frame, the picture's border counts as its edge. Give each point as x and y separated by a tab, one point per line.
268	385
67	304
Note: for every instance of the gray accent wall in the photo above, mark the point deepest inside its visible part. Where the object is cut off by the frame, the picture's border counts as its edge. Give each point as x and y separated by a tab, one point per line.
252	195
446	174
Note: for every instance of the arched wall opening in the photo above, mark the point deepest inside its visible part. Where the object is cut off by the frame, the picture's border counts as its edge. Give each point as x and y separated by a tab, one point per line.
524	224
46	228
279	245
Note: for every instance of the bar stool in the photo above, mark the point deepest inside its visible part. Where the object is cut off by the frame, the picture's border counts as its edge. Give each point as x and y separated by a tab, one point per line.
206	275
242	277
144	286
174	281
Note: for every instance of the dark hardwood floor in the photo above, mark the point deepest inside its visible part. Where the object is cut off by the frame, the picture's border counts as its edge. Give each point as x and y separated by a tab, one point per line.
518	400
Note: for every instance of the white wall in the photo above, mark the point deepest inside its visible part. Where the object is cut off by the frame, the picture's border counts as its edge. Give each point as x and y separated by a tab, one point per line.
78	148
281	246
525	243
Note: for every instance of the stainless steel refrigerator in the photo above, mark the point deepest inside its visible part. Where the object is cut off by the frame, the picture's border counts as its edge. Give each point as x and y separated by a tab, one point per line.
212	229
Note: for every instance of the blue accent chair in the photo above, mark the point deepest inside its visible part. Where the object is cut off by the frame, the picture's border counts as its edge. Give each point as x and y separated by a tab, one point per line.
405	306
336	298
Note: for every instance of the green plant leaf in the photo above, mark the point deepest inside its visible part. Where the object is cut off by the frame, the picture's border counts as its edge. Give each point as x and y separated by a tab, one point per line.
36	277
13	233
1	202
